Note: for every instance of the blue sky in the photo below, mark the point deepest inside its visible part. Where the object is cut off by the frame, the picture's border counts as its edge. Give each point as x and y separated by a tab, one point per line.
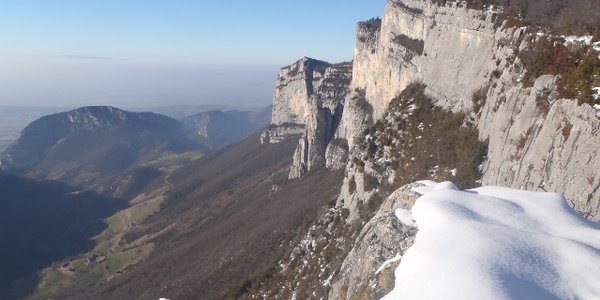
124	52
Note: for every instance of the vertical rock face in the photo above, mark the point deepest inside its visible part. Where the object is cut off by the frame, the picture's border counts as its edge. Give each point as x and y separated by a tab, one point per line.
537	142
467	64
448	48
455	52
294	87
308	101
367	271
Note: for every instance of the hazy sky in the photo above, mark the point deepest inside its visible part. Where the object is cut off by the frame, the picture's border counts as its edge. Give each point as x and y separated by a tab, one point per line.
159	52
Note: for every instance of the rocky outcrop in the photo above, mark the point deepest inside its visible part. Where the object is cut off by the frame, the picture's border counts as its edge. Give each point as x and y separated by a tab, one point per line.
447	47
536	141
309	96
367	271
411	44
358	115
292	91
468	63
336	154
277	133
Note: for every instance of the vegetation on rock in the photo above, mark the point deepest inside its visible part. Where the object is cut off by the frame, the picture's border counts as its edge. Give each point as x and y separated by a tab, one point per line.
579	67
417	140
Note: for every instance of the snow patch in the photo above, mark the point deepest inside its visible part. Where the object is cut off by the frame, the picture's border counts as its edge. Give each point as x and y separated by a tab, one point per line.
428	186
411	108
498	243
453	172
405	217
573	39
597	108
596	92
494	9
388	262
596	47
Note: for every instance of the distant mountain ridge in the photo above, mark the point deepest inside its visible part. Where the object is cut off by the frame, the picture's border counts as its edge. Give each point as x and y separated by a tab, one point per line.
215	129
92	143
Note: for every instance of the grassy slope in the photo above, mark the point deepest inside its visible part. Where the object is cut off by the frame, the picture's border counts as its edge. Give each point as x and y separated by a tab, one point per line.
225	224
117	255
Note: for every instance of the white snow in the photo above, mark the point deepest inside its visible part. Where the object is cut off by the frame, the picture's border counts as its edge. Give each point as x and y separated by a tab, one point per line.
494	9
597	108
405	217
596	47
582	40
428	186
453	172
411	108
498	243
574	39
596	91
388	262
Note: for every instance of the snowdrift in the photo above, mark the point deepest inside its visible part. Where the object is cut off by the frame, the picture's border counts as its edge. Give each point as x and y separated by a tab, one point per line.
497	243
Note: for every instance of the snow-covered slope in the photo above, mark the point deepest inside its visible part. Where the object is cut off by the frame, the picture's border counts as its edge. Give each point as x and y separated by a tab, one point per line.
497	243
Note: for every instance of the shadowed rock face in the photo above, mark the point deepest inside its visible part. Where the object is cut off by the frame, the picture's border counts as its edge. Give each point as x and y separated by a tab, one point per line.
90	144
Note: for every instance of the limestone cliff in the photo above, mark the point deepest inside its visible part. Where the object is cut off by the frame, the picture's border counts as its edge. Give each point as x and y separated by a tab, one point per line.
308	100
469	64
367	271
455	52
448	48
538	142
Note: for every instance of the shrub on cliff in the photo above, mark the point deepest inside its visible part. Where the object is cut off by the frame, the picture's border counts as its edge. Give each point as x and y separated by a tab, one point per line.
579	17
579	68
544	57
422	141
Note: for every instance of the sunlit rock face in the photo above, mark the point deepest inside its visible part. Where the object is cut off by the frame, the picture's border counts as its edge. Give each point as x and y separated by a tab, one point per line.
536	141
448	48
308	101
455	52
